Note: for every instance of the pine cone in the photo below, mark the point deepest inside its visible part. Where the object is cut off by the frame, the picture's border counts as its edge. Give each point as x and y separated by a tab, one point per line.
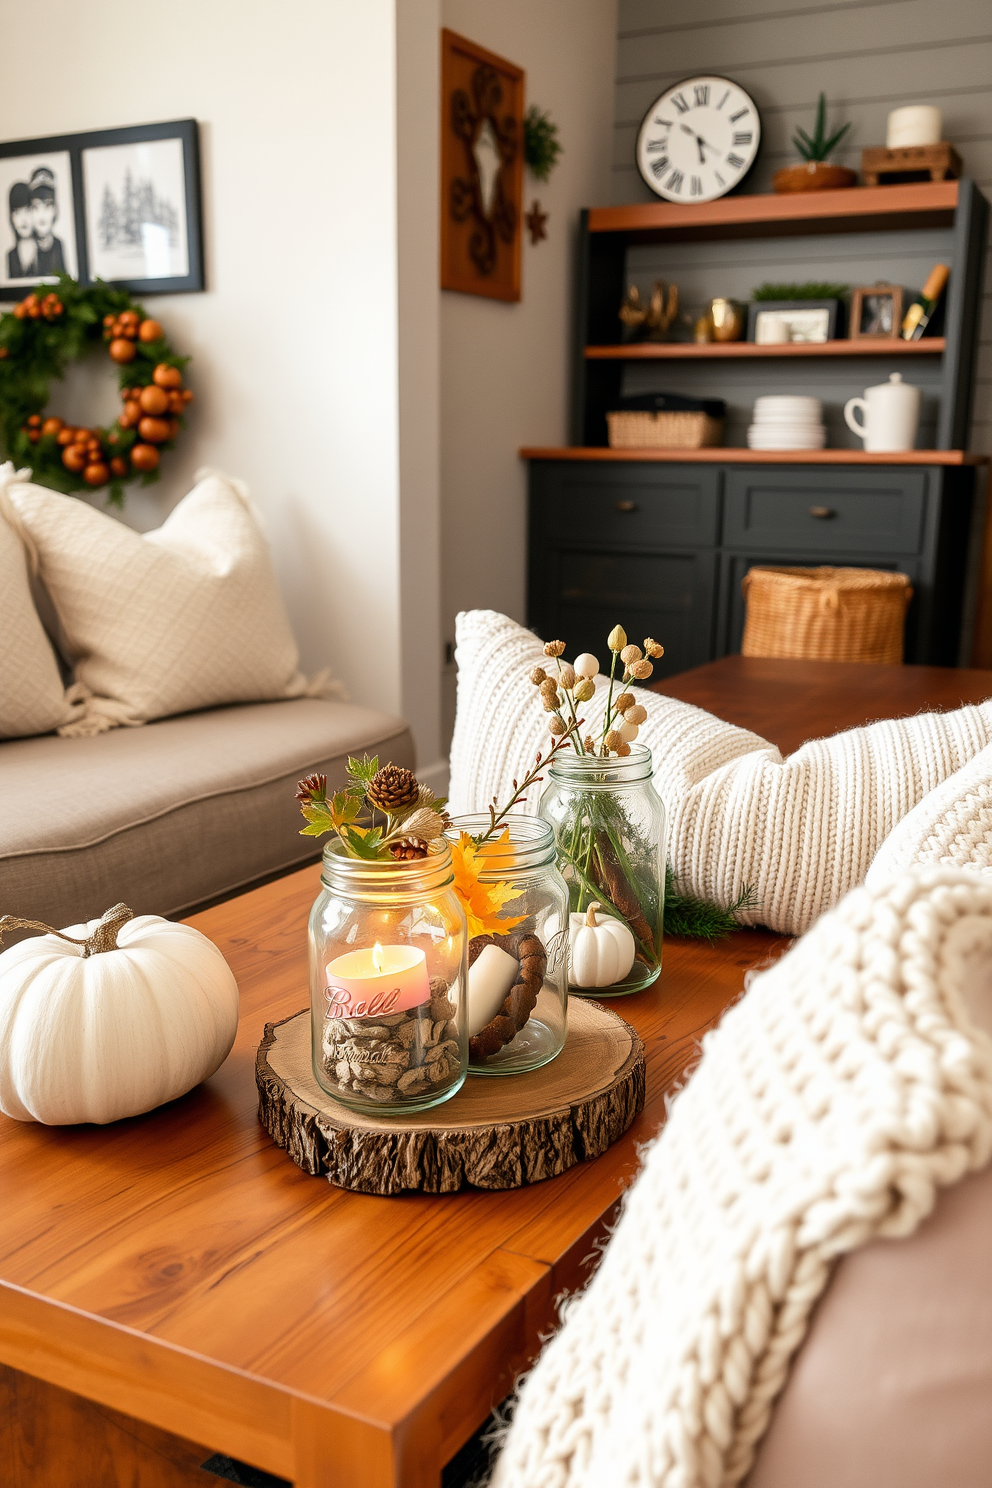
408	849
393	789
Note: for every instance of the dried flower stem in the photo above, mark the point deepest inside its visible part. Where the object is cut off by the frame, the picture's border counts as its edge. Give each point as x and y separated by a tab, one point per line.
520	788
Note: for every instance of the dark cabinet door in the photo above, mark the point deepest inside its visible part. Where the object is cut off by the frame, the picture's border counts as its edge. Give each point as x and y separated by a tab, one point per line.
730	607
625	505
582	594
817	510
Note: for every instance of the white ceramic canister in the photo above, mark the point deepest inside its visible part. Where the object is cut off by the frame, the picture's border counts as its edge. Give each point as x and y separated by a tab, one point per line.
891	413
917	124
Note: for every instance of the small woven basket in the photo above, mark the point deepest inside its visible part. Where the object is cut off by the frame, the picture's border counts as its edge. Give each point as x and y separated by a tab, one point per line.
676	429
825	614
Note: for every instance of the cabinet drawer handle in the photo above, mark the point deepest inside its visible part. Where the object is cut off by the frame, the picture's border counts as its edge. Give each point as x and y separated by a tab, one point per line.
823	512
626	506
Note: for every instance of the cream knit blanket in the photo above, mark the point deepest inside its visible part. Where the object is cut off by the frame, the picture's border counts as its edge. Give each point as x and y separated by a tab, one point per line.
800	831
849	1085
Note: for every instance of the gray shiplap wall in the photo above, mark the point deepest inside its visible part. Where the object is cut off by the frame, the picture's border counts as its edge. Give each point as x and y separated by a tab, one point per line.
868	59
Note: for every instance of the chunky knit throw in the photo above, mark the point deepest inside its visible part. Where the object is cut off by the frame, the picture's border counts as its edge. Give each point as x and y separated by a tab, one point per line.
799	831
848	1086
951	826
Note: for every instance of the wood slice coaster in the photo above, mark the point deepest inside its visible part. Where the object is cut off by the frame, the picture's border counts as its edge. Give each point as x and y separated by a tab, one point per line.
497	1132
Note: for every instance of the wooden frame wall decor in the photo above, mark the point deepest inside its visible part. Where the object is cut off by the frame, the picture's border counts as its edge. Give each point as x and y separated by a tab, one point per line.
482	145
863	313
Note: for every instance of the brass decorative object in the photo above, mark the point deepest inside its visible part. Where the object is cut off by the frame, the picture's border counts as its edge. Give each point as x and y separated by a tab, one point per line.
653	321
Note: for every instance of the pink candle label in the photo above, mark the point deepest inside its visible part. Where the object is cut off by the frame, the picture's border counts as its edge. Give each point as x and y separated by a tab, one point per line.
374	983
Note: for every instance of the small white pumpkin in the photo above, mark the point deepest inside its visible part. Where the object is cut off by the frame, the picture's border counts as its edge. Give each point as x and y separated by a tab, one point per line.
601	948
109	1019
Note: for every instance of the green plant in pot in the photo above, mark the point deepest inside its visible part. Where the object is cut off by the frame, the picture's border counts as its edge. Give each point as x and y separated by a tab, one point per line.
816	173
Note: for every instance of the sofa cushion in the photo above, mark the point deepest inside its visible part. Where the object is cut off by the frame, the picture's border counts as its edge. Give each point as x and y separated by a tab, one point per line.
951	826
167	816
32	698
188	616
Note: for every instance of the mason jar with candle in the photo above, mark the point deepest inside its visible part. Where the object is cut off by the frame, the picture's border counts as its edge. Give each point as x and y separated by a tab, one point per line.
388	972
517	906
609	822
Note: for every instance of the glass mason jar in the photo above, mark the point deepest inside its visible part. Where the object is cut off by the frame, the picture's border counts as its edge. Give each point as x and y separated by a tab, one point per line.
388	948
517	981
609	823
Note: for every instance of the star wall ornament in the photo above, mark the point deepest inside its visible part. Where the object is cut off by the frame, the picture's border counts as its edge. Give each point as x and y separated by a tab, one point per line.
536	221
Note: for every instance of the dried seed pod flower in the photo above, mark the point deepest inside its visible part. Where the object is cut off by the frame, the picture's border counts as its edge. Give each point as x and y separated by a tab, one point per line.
551	704
617	638
585	689
628	732
624	701
586	665
393	789
635	714
312	788
538	675
629	654
549	688
557	726
641	670
589	744
623	749
566	677
613	739
554	648
653	648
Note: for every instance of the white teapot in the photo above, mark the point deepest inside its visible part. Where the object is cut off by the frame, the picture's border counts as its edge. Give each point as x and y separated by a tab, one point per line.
891	412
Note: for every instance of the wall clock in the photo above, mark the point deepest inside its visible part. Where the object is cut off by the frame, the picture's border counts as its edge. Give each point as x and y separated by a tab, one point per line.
698	140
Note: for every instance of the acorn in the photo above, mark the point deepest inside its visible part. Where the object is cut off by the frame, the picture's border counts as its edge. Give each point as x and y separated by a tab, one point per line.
166	376
96	474
74	458
154	400
150	330
122	350
144	457
118	466
154	430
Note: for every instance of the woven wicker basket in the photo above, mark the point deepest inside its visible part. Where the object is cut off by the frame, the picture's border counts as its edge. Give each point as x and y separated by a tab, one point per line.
672	430
825	614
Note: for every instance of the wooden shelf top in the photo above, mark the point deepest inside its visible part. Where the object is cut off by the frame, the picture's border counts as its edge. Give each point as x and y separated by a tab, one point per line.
856	209
649	351
729	456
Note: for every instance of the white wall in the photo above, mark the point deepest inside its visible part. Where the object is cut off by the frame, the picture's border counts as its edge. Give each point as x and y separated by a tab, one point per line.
295	343
504	368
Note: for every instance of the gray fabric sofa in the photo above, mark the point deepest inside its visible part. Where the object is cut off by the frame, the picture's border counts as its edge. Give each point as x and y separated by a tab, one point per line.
169	815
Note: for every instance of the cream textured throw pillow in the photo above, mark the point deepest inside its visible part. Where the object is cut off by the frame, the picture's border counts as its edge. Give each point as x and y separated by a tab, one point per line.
951	826
851	1083
800	831
32	698
164	622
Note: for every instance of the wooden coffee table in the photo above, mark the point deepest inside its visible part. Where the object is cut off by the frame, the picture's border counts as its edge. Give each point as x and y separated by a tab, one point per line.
173	1286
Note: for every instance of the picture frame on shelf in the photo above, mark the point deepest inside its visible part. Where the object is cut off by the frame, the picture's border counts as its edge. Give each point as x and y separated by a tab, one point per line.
876	312
121	205
805	322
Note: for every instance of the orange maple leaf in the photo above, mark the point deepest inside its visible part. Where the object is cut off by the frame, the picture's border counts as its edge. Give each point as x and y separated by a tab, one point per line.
482	902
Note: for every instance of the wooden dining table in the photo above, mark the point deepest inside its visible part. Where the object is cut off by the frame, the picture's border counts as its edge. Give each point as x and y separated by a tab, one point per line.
172	1287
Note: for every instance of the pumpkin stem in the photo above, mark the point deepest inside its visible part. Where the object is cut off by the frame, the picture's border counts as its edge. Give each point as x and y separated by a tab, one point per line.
104	937
591	914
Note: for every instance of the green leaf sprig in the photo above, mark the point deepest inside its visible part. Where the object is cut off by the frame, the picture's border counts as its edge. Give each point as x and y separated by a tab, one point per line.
383	813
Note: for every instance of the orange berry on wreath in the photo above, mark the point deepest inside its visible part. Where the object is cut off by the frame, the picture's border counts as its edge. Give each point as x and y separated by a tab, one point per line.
52	426
122	350
154	400
118	466
167	377
65	436
33	420
96	474
74	458
154	430
144	457
150	330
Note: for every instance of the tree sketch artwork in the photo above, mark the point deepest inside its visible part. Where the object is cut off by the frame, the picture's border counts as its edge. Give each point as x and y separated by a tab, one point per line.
121	217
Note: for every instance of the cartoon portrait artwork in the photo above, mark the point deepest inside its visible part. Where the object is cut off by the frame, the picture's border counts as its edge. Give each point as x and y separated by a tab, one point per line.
41	231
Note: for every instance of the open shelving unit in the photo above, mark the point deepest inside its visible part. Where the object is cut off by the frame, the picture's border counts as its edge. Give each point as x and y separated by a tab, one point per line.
608	233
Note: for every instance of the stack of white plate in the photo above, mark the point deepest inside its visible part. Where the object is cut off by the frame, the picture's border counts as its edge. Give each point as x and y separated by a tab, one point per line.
787	422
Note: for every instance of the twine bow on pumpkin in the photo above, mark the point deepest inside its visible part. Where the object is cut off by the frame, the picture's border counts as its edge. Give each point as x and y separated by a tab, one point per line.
104	937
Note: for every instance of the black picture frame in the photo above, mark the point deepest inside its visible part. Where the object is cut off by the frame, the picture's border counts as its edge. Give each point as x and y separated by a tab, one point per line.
75	146
834	308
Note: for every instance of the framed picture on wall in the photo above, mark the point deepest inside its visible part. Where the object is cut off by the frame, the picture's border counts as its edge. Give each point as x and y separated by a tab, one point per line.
876	312
121	205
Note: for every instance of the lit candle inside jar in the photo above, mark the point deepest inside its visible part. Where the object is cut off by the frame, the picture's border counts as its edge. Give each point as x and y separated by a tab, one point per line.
376	982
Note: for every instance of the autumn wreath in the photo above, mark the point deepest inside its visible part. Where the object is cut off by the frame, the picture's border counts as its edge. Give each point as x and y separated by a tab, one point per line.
39	339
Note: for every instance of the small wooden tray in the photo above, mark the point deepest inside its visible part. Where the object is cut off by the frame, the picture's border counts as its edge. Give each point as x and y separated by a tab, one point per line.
497	1132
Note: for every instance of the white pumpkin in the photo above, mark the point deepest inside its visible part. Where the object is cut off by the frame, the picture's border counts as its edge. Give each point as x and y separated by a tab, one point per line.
125	1015
600	948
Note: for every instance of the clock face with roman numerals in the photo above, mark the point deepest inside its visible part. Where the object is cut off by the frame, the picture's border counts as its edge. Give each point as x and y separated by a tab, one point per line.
698	140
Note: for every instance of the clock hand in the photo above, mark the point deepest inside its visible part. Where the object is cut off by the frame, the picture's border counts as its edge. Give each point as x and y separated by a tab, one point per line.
700	142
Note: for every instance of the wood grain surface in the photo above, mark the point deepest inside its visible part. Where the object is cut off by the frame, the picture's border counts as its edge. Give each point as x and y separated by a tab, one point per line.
493	1133
179	1270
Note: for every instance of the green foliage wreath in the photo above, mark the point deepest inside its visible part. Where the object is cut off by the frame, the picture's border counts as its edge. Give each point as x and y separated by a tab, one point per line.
42	336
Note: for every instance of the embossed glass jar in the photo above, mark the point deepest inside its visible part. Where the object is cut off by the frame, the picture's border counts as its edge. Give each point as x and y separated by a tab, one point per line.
517	979
388	968
609	822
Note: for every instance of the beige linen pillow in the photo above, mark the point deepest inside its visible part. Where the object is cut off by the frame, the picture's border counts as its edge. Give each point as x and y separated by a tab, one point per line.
188	616
32	698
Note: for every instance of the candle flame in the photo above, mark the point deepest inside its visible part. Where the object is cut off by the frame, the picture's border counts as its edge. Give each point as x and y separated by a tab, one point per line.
377	956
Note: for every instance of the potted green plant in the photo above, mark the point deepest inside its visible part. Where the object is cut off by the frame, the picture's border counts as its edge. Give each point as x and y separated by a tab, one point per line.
816	174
